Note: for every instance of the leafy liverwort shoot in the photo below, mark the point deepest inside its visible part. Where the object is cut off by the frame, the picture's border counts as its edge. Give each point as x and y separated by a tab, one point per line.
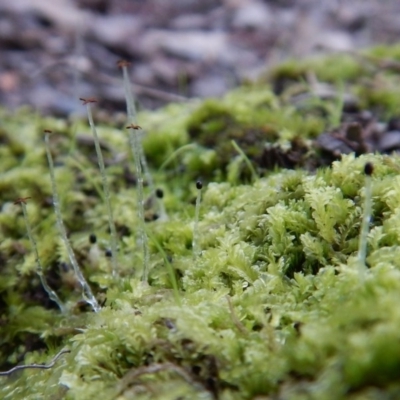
86	290
362	248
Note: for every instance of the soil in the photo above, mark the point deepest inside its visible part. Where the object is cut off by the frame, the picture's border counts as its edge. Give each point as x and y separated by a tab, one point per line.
54	52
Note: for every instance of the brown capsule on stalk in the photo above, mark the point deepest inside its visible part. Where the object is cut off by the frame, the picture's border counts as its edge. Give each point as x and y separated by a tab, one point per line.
87	100
21	200
133	126
123	63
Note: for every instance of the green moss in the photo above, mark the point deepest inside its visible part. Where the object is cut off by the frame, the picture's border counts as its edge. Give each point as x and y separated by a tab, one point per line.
371	75
384	99
385	52
334	69
274	306
248	116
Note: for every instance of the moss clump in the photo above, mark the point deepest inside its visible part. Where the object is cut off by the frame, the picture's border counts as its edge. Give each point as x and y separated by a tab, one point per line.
250	117
275	305
370	75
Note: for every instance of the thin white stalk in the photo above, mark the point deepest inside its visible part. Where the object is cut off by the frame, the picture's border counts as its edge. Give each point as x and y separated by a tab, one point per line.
253	172
362	248
195	240
36	366
51	293
133	141
106	188
86	290
140	161
163	216
132	119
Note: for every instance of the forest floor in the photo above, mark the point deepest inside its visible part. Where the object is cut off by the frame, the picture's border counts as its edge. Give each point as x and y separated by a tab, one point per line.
54	52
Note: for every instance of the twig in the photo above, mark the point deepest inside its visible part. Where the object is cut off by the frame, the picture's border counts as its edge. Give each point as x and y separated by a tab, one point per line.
36	366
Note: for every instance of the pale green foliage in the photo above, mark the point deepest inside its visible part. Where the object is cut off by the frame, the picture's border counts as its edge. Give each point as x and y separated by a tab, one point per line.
258	242
328	206
273	307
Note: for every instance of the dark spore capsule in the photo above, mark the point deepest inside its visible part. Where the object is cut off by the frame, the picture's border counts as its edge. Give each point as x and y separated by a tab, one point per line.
199	185
92	238
159	193
368	169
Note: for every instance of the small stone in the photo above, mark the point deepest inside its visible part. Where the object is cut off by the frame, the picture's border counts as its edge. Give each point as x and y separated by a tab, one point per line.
255	15
390	141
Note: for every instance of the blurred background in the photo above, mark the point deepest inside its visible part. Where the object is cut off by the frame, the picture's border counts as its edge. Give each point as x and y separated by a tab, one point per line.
54	51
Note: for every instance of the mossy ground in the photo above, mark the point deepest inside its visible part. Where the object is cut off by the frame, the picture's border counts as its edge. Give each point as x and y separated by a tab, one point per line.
275	306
